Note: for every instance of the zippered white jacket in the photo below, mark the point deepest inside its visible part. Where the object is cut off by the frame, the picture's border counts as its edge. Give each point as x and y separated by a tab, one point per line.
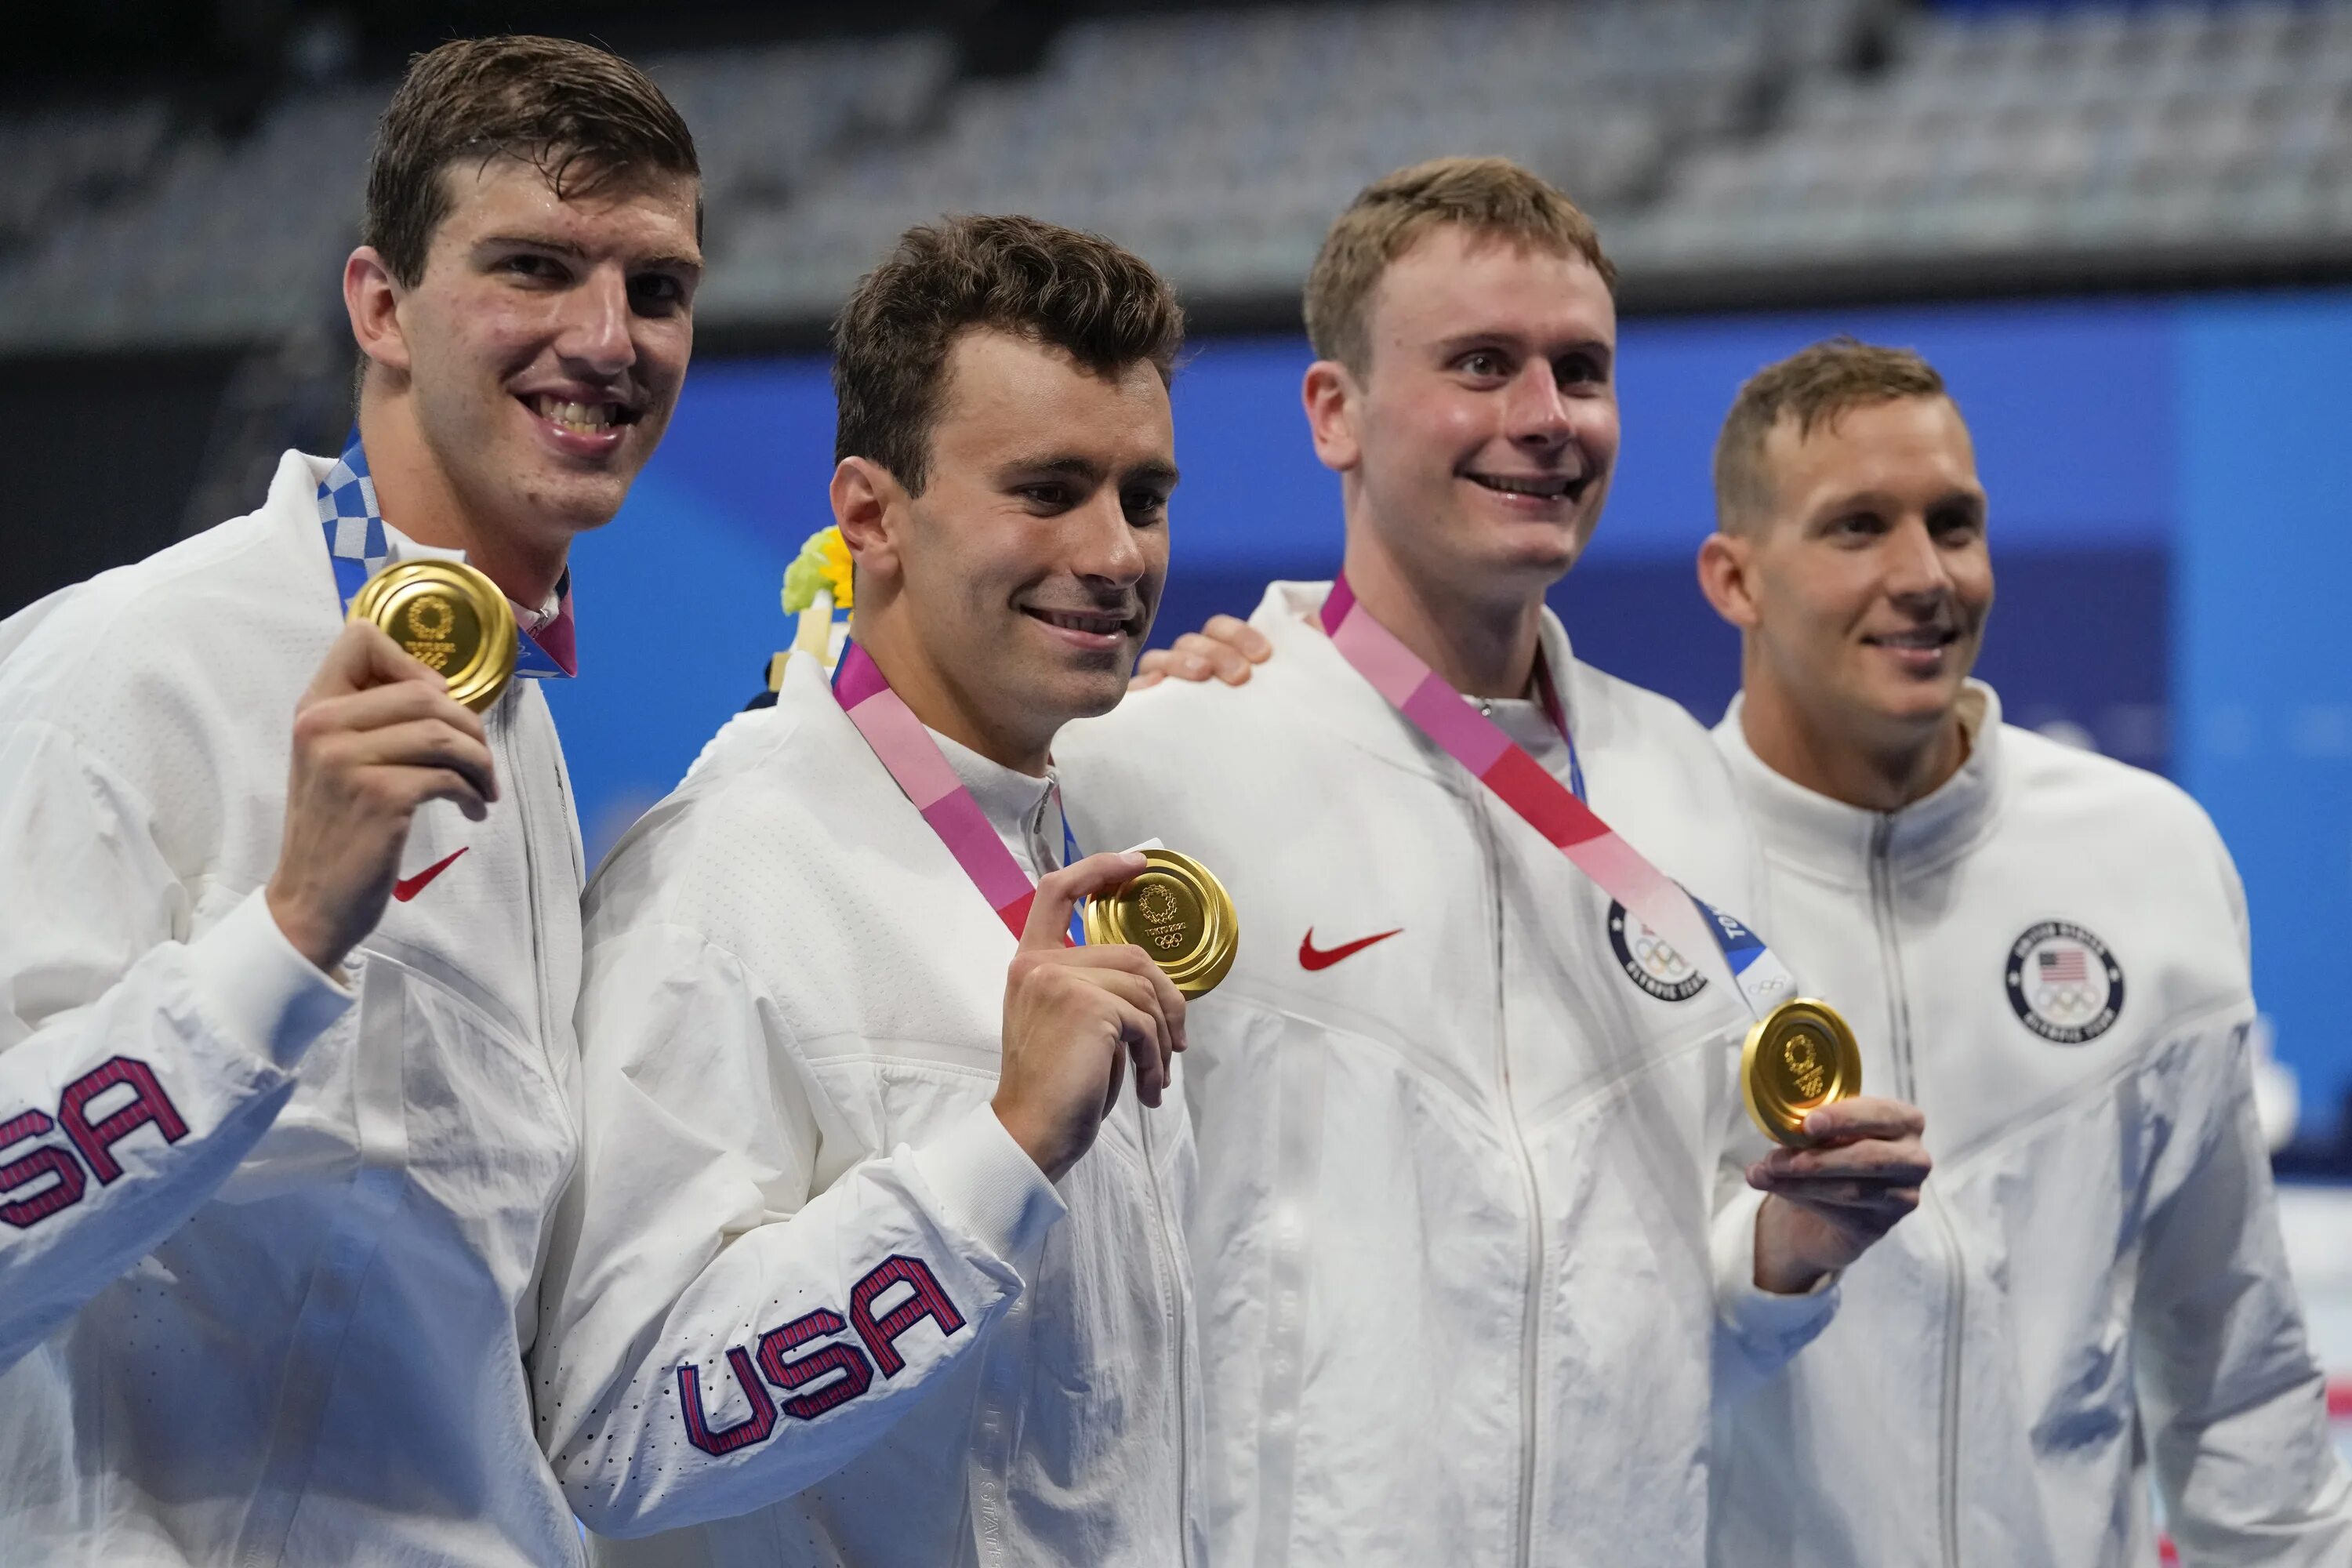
810	1303
266	1287
1460	1254
2048	956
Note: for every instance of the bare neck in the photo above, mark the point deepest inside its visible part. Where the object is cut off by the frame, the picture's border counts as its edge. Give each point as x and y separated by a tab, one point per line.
1482	647
886	632
418	497
1886	775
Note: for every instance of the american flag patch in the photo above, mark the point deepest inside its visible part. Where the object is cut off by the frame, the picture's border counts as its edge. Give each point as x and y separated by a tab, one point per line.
2062	967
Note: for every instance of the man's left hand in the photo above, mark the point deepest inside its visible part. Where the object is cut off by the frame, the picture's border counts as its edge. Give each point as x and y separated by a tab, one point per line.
1832	1200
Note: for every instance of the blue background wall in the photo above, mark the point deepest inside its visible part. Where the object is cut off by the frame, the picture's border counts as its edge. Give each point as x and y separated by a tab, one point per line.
2168	479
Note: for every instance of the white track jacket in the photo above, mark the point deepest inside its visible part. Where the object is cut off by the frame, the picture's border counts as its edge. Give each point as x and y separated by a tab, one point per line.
810	1303
1459	1158
2048	956
266	1246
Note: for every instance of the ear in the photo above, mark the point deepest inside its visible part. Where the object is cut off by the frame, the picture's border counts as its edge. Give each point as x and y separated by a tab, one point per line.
1333	401
868	503
1726	577
372	298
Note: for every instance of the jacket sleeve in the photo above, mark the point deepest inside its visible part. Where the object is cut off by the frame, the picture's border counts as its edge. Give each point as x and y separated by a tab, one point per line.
2236	1405
136	1068
741	1298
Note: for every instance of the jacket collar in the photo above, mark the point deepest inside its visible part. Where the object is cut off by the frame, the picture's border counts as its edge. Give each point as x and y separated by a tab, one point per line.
1341	698
1814	833
1015	803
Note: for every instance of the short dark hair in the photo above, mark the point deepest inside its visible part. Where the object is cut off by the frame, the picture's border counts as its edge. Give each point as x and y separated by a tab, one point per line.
579	115
1813	386
1077	292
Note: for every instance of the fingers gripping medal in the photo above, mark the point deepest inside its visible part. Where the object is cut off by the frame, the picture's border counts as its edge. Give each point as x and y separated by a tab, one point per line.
1798	1058
451	618
1178	913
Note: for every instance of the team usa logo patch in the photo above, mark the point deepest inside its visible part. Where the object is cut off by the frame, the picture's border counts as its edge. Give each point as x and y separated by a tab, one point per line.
1653	964
2063	983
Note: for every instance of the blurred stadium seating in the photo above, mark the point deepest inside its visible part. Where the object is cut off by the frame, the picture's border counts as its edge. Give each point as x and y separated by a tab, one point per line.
1782	148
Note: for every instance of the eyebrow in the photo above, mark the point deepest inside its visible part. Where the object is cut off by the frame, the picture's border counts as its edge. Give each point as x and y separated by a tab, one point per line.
1463	341
667	262
1076	468
1881	501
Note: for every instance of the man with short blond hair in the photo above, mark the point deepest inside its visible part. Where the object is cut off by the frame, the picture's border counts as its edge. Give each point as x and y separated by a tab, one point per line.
291	938
2047	951
1467	1239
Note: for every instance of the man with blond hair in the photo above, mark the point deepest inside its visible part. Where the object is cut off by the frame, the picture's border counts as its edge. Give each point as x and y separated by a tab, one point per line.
2047	951
1467	1238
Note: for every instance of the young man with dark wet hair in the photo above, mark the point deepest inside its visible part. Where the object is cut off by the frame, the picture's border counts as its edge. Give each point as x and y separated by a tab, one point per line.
291	947
872	1260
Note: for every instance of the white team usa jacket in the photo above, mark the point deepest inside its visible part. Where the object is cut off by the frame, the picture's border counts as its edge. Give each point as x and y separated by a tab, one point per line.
810	1303
2048	956
266	1244
1461	1255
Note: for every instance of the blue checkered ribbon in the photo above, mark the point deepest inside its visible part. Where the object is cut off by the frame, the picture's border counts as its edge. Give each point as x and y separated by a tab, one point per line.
357	545
354	523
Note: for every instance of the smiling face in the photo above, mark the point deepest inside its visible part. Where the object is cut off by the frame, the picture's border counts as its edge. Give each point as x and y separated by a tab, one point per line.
1479	441
1025	575
1868	582
541	349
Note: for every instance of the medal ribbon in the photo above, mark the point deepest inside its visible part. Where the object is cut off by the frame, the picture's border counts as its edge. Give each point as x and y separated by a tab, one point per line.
922	771
359	549
1557	812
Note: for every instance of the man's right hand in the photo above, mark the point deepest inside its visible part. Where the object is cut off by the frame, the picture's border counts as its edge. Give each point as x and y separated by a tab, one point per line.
1225	649
376	736
1072	1017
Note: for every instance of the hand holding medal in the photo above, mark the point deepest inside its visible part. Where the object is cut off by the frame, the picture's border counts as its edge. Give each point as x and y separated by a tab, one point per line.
1178	913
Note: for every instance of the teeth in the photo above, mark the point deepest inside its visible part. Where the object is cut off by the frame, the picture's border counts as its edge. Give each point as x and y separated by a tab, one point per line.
585	417
1079	623
1556	485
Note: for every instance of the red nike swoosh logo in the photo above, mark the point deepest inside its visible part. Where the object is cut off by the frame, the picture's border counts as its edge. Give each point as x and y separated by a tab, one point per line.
408	888
1311	957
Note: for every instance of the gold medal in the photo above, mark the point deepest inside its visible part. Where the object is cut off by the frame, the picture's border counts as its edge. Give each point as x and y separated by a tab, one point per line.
1177	913
1798	1058
450	617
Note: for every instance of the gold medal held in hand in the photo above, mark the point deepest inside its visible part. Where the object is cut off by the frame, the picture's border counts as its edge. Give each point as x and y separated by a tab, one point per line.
451	618
1798	1058
1177	913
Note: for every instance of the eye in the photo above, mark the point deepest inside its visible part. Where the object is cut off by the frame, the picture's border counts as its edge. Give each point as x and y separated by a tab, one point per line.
1145	507
537	268
1049	495
1857	526
1581	369
1484	365
656	294
1956	526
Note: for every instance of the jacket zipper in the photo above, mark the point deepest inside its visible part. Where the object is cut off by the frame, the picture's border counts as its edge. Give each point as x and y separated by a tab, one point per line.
1531	1304
502	727
1881	897
1176	1320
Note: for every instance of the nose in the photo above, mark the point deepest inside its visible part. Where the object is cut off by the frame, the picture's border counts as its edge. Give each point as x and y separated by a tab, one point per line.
1109	553
1536	413
595	333
1916	567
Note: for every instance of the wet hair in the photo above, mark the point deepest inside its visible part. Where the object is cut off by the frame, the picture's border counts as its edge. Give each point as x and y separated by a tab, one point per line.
1077	292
